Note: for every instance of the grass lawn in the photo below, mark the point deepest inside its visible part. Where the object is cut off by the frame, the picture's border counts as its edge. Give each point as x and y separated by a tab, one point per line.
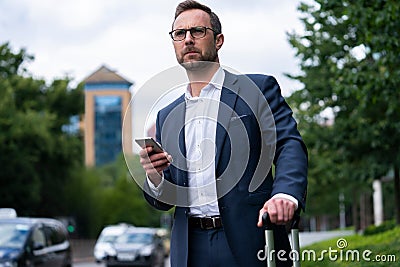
381	249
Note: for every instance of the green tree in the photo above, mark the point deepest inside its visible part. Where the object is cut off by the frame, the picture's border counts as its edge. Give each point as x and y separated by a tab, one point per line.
36	154
350	70
123	199
105	195
41	159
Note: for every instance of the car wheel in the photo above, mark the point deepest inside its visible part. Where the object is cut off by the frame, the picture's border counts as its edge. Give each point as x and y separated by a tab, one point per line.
28	263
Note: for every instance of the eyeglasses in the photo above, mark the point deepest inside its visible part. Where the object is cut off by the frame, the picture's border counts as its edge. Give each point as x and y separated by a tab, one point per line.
196	32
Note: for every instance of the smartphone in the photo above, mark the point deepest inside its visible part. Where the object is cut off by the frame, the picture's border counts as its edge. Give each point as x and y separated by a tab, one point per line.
149	141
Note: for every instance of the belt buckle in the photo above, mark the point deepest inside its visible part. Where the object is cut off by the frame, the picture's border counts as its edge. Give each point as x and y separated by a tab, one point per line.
205	227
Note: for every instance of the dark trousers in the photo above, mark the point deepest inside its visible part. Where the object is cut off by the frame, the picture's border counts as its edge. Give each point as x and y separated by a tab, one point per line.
209	248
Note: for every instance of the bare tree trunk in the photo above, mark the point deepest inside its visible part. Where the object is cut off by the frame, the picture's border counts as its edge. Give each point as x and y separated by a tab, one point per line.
397	193
368	208
354	208
363	212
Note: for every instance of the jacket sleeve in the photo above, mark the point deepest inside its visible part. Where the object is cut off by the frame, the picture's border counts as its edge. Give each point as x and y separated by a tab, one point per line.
290	160
152	199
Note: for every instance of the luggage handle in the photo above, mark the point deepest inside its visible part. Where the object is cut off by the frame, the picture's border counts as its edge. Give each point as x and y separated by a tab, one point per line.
268	225
269	238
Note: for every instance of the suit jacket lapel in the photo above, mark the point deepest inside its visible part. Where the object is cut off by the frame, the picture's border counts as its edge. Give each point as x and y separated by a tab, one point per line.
227	103
173	127
180	112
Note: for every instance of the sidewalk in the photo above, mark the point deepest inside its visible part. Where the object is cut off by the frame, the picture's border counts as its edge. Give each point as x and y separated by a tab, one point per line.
308	238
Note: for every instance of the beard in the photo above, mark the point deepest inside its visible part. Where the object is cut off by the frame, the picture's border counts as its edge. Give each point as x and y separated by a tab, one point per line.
200	61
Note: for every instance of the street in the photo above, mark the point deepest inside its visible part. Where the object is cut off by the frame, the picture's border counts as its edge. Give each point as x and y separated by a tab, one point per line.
92	263
88	264
83	254
306	238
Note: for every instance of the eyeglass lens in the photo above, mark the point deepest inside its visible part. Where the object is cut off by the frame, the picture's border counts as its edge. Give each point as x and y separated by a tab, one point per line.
195	32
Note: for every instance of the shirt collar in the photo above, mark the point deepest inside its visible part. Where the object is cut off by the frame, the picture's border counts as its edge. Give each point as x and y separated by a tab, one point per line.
216	81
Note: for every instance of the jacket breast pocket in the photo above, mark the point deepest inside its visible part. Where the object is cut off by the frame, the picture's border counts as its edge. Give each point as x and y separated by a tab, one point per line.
240	120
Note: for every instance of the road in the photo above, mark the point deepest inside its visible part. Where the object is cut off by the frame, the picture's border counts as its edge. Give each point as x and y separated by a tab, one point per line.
83	254
88	264
306	238
91	263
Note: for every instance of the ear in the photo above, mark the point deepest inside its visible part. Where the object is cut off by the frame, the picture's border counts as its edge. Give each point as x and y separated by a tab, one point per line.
219	41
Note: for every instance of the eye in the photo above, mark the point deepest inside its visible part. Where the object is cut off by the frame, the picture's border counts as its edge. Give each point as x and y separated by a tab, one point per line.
180	33
198	31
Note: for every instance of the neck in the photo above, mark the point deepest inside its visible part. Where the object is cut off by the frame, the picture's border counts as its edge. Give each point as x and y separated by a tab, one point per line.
201	77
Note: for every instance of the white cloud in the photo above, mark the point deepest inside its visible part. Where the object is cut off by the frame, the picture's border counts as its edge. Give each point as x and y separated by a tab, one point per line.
75	37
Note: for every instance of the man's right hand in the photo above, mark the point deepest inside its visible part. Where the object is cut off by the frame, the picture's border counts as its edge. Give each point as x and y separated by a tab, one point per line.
154	163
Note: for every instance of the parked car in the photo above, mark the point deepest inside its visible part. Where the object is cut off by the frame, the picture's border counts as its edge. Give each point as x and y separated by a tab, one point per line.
7	213
106	239
139	246
34	242
164	234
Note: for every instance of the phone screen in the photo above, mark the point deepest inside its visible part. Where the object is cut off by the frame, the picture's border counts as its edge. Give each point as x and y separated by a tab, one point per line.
149	141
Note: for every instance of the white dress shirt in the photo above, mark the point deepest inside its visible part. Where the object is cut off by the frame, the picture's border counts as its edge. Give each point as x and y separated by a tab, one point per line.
200	130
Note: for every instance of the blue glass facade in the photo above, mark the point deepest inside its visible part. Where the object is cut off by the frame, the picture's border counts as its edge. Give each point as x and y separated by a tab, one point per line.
108	127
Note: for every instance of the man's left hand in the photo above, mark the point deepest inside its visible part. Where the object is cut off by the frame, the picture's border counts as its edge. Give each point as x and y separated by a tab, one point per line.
280	211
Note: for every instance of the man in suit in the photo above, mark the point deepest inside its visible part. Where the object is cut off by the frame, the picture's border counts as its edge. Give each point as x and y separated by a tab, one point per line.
221	139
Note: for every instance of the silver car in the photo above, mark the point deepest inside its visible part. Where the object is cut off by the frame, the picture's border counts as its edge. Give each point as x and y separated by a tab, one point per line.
107	237
139	246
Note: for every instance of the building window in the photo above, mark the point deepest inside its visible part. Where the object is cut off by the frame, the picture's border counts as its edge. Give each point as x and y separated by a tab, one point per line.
108	128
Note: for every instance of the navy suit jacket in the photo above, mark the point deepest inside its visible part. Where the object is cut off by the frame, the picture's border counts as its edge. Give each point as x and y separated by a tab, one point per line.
253	118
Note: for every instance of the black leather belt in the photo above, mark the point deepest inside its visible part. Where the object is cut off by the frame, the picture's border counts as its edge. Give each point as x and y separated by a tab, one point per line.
206	223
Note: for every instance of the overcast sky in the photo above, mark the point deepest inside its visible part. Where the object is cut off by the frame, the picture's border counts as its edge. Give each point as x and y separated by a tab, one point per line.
75	37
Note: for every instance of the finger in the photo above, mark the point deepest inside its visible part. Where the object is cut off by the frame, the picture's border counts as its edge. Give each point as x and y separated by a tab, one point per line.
292	209
261	213
145	152
272	211
158	165
153	158
282	207
285	211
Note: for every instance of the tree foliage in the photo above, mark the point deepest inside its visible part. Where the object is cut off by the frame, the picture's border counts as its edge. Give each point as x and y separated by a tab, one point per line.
348	108
41	159
107	195
36	155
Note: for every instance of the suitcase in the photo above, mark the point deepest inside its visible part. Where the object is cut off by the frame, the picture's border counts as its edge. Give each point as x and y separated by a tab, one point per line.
269	239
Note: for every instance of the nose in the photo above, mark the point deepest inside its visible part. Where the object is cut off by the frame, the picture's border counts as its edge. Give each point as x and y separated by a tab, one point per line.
188	38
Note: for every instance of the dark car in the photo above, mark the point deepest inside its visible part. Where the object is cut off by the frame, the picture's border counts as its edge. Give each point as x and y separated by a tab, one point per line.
139	246
34	242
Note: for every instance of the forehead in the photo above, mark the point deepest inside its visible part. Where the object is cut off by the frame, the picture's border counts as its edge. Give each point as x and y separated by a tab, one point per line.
191	18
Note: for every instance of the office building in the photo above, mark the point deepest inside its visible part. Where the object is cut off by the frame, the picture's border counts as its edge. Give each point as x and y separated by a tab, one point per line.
107	96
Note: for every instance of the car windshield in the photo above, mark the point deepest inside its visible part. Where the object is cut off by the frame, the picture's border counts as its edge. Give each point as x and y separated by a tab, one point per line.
107	238
135	238
13	235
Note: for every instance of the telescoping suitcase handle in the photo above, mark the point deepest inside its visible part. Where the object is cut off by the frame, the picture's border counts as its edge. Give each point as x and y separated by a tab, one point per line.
269	238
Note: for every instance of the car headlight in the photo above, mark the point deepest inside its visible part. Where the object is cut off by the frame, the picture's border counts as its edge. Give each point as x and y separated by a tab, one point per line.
111	252
146	251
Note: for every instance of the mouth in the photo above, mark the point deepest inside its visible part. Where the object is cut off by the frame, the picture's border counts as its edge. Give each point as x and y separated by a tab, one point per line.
191	52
